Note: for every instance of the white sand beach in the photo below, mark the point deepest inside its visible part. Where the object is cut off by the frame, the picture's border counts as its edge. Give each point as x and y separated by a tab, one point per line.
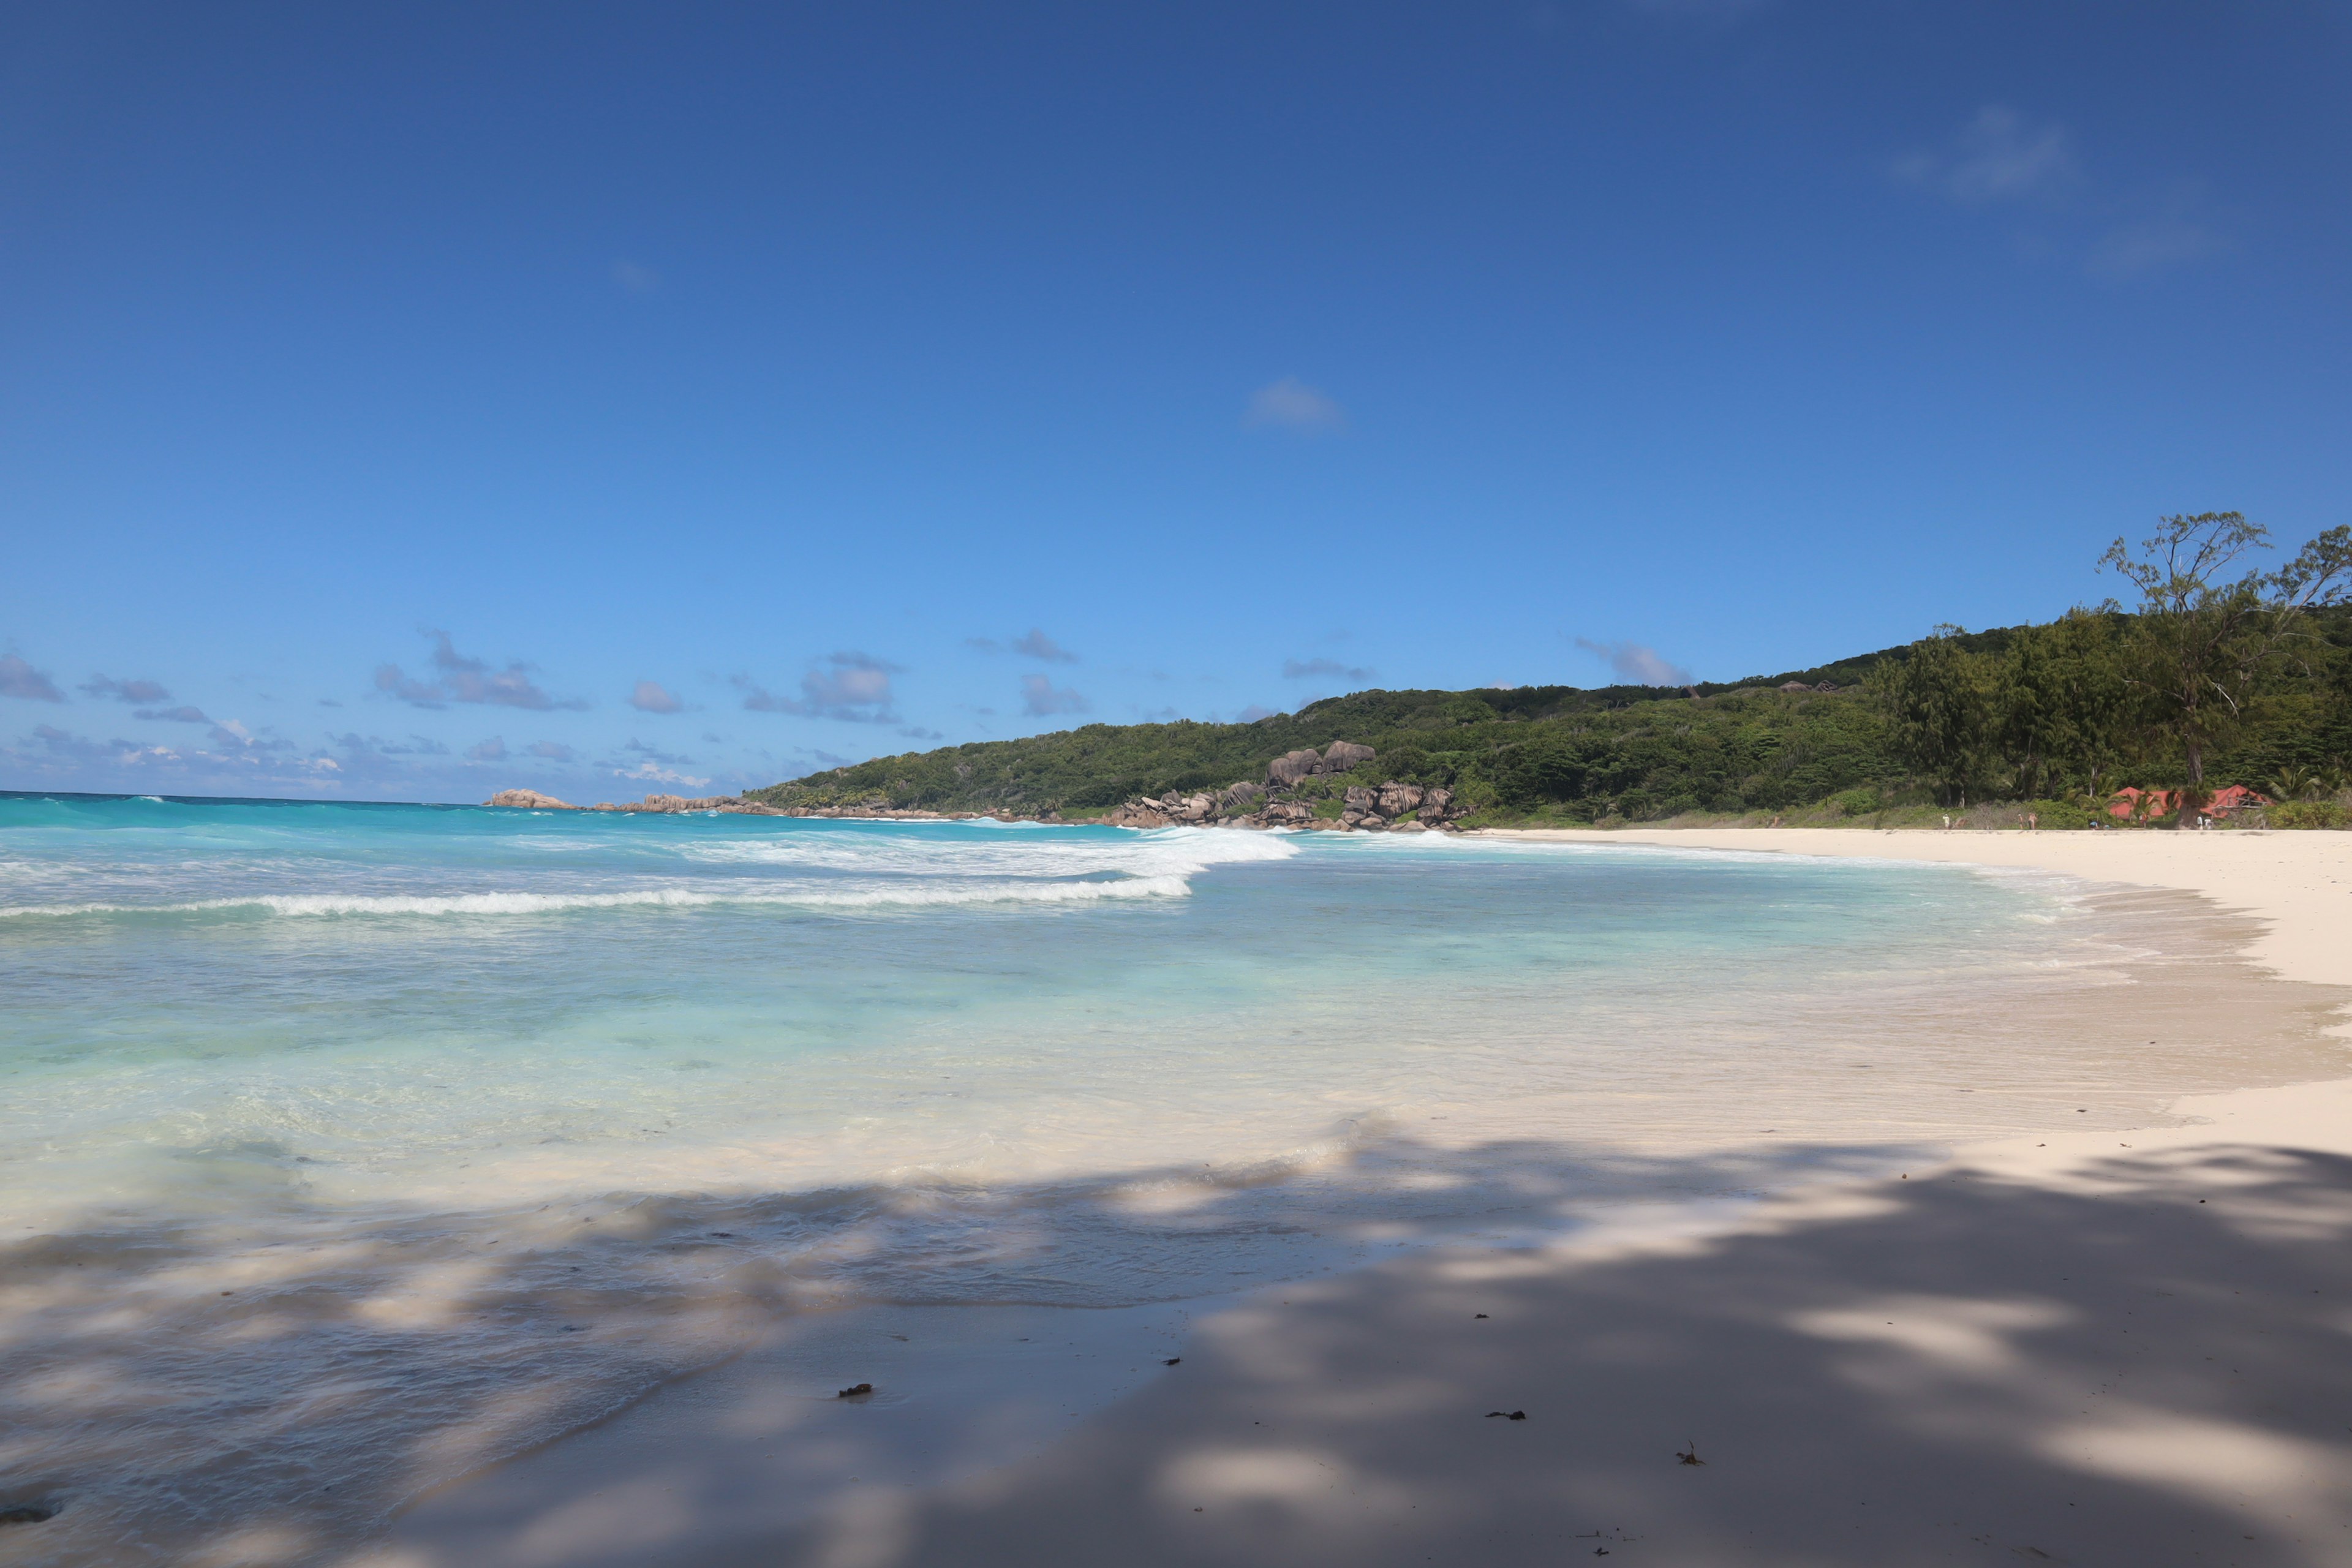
2300	883
2089	1347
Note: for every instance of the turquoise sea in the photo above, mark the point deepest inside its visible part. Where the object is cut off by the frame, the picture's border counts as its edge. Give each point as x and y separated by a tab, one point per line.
345	1146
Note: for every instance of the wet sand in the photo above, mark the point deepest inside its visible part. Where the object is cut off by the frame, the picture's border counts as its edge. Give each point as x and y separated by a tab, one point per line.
2092	1346
2298	884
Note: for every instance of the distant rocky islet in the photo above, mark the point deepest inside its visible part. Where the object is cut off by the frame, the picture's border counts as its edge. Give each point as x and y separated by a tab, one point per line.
1392	806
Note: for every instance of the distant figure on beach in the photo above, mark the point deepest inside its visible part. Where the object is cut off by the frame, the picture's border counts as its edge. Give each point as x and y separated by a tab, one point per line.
2033	821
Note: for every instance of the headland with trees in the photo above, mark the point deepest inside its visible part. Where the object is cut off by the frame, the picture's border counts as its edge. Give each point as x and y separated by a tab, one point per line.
2218	680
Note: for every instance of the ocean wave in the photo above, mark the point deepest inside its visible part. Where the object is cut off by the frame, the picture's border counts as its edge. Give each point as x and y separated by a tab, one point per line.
331	904
1184	851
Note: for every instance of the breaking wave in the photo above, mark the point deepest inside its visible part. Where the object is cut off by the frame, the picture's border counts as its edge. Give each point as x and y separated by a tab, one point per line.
327	904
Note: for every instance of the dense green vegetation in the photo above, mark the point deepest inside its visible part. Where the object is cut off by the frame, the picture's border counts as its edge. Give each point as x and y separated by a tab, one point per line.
2060	715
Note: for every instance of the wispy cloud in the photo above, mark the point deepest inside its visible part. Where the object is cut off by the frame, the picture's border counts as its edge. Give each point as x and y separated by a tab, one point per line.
1034	644
1291	404
552	751
1300	669
231	736
493	750
1705	10
635	277
183	715
146	692
66	746
652	697
654	773
1037	645
850	686
459	678
2175	230
19	678
1636	662
654	765
372	747
2003	159
2001	155
1040	697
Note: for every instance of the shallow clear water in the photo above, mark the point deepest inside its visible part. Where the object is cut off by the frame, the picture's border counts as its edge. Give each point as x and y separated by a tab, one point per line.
349	1145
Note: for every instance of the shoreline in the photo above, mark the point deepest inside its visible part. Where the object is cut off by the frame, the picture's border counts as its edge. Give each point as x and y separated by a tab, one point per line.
2300	884
1317	1421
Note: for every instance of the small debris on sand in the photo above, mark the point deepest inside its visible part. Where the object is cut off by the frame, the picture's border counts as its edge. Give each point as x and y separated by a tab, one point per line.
1508	1415
1690	1456
1172	1361
853	1390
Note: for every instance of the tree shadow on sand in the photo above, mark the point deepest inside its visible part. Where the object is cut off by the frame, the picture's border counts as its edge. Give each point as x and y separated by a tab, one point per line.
2148	1366
2144	1363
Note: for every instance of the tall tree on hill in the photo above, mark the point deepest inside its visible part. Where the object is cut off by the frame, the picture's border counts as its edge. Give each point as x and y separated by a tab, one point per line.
2058	700
1937	710
2202	637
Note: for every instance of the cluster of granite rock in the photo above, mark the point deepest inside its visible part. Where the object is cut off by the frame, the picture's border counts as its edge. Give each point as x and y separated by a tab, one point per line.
665	803
1392	806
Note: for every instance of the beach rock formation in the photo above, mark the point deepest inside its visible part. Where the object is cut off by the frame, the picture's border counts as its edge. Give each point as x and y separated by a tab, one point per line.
1393	806
1336	758
532	799
670	805
661	803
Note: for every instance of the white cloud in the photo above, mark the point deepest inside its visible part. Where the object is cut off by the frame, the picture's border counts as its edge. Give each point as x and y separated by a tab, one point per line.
459	678
1291	404
855	688
185	714
493	750
552	751
654	773
1637	663
652	697
1040	697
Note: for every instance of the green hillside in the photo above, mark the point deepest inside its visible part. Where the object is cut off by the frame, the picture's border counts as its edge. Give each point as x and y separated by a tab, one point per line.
1640	753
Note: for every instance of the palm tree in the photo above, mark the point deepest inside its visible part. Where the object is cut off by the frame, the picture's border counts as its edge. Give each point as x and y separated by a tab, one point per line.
2292	783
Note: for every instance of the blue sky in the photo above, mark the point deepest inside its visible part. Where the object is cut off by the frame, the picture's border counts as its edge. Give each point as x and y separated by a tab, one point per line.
406	401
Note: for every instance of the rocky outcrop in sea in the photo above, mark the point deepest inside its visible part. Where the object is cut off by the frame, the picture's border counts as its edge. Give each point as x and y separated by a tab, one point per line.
1392	806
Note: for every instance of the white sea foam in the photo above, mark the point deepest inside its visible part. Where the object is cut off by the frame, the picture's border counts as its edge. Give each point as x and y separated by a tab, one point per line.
1184	851
509	903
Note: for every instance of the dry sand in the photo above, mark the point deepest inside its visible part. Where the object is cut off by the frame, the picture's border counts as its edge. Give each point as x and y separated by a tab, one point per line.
2088	1347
